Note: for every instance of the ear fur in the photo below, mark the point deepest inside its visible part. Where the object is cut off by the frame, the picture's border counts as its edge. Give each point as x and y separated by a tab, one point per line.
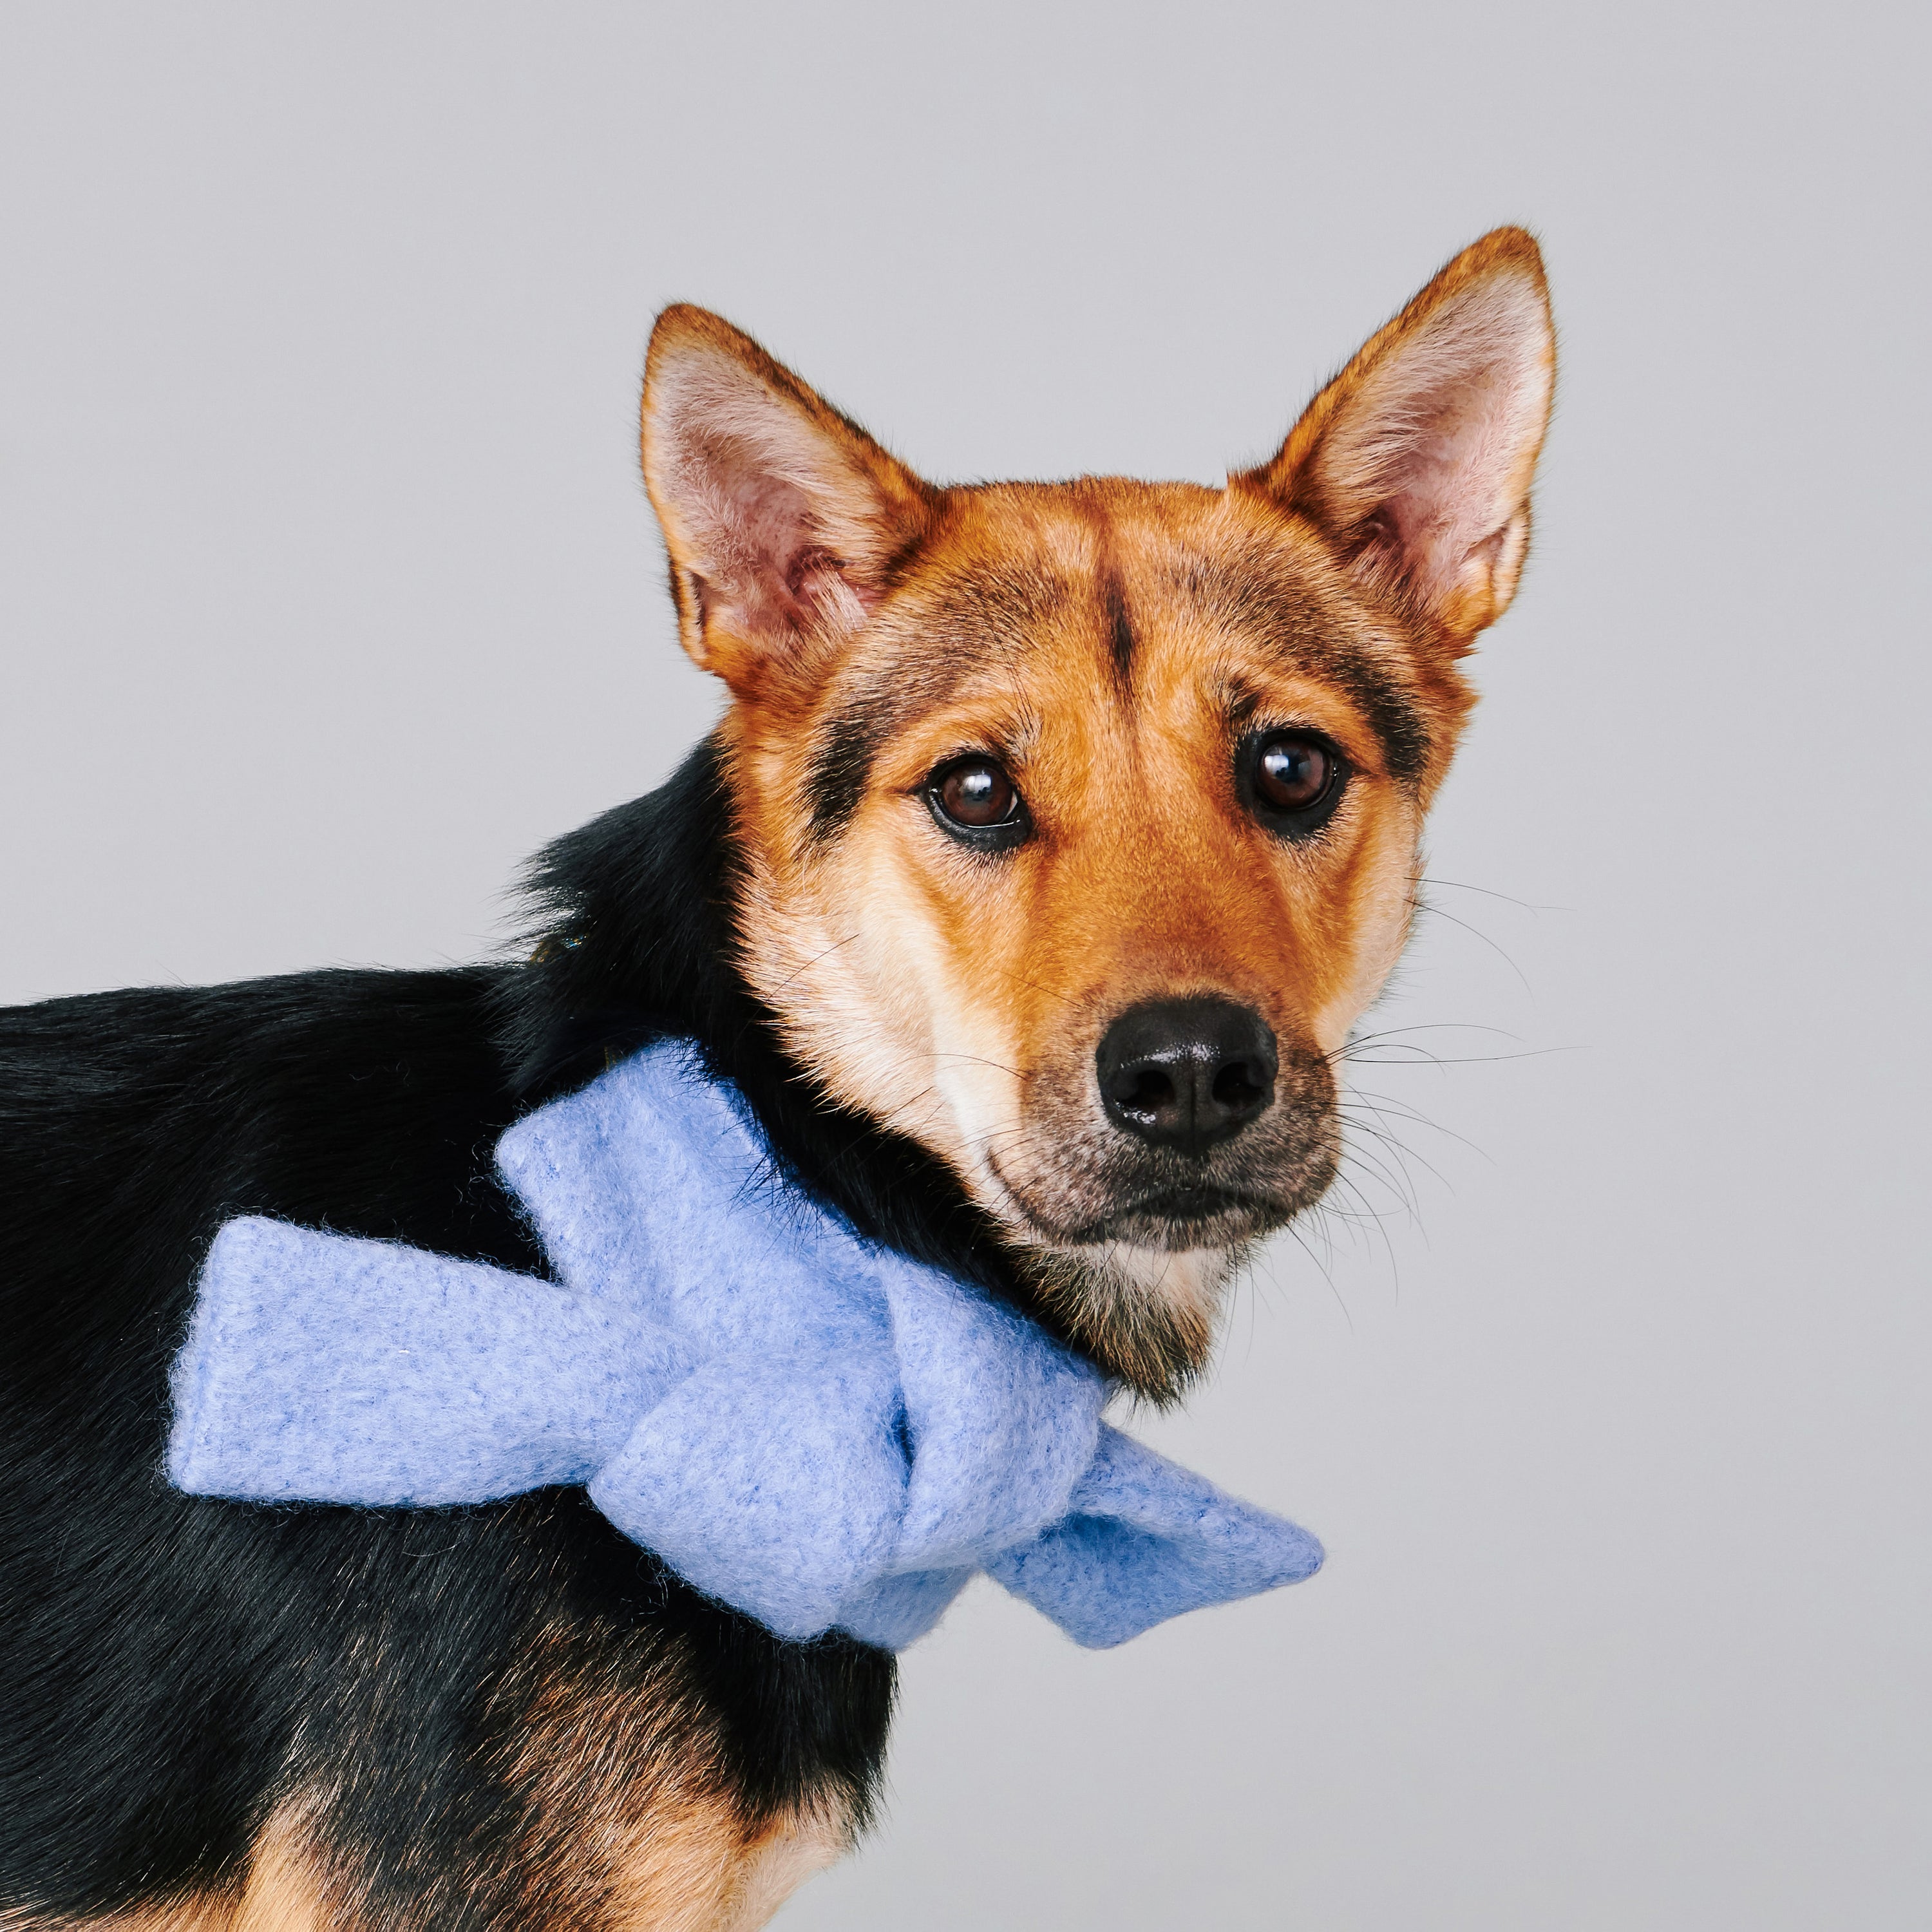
1415	461
782	516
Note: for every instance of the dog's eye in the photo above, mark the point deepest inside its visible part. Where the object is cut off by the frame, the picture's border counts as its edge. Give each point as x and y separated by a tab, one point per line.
1294	780
974	799
1291	774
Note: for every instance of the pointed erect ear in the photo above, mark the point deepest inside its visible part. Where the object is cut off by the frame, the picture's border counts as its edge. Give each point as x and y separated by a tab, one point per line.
782	518
1415	461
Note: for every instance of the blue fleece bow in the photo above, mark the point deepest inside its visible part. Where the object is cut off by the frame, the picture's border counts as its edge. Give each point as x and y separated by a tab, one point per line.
815	1429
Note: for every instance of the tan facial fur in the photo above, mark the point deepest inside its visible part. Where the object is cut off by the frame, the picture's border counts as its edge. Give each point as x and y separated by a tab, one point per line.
1112	646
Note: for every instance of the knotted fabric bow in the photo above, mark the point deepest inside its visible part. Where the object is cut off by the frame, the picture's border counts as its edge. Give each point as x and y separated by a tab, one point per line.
807	1426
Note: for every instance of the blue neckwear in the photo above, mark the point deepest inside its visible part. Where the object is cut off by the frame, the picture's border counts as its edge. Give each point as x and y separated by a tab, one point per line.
811	1428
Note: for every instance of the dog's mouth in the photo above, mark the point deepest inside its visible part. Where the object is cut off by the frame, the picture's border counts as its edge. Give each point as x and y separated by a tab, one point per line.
1200	1203
1197	1215
1177	1216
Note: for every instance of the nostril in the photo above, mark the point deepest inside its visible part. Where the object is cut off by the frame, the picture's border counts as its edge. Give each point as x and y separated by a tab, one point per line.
1145	1089
1239	1086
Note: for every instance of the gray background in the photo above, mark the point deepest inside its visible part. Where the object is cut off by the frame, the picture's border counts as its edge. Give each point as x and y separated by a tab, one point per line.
329	590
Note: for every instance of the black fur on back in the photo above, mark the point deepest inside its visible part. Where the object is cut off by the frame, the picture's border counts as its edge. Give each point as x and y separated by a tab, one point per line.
172	1668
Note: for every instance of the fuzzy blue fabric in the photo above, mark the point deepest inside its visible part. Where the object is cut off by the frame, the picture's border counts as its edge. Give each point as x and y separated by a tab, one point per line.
815	1429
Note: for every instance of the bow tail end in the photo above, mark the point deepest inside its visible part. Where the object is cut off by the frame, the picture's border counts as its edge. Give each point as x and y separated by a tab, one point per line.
1103	1580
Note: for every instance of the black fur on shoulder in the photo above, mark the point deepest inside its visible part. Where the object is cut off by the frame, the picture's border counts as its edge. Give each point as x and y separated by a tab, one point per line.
174	1669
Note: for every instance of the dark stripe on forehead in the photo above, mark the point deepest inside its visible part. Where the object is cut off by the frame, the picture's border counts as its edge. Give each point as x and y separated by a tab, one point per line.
1120	629
1313	637
1117	629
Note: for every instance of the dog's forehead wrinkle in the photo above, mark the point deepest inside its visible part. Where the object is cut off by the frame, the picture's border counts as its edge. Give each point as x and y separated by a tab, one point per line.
985	601
1147	570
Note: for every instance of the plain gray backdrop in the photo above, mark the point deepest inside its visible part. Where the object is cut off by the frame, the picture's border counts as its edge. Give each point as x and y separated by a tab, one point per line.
330	591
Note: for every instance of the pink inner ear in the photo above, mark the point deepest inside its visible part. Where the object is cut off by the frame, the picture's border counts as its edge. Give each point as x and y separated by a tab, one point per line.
1429	463
763	531
757	544
1453	493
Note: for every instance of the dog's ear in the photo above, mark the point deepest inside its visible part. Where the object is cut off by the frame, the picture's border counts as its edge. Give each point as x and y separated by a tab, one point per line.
1415	461
782	518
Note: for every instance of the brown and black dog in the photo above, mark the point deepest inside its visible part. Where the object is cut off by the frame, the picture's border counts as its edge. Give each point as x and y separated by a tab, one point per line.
1055	838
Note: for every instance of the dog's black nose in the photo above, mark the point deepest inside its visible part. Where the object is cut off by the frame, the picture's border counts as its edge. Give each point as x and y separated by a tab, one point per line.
1186	1073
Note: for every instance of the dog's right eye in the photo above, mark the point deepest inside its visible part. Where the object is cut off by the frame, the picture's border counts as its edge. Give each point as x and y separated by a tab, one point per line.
974	800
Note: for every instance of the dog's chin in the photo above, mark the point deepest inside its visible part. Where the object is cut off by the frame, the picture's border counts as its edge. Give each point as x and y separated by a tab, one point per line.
1139	1285
1147	1315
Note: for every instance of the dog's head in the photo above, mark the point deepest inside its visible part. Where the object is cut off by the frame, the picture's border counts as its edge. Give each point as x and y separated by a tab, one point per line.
1079	820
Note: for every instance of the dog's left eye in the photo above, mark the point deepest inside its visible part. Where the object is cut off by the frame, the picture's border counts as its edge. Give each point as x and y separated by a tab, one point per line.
1292	780
973	798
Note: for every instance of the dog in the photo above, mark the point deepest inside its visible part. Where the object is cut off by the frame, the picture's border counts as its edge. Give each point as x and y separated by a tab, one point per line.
1053	839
